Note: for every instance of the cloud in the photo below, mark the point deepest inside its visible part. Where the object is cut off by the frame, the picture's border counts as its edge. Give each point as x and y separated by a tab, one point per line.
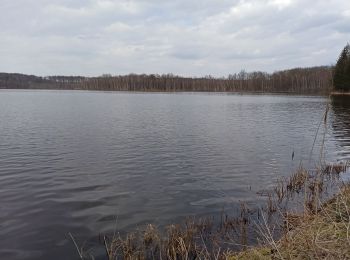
193	38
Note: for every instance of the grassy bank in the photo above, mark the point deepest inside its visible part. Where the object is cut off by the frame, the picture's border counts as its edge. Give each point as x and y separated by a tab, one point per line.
324	234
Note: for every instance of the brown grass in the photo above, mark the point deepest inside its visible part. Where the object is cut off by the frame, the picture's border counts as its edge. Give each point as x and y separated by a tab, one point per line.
196	239
324	234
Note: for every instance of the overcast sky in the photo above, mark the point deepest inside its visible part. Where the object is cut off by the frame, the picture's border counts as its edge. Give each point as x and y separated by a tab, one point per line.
190	38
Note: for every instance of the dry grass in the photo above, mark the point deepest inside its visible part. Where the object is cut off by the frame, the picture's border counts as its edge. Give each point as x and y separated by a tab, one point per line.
196	239
321	235
297	180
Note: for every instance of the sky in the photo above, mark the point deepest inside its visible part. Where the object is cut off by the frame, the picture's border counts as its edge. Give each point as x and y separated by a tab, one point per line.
183	37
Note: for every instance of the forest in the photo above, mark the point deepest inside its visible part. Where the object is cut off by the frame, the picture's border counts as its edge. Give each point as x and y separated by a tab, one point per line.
299	80
341	74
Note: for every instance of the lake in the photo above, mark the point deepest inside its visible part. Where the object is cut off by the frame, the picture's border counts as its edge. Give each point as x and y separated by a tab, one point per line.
92	162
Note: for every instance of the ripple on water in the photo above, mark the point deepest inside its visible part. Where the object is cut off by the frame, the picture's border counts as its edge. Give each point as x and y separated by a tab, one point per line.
79	162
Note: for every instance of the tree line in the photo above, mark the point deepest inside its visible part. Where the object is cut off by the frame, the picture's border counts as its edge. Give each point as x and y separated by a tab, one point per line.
341	77
298	80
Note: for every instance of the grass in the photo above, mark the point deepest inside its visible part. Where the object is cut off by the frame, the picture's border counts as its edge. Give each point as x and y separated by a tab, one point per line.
196	239
324	234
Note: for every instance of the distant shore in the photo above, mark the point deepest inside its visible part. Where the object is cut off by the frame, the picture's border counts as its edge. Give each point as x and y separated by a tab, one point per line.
339	93
312	80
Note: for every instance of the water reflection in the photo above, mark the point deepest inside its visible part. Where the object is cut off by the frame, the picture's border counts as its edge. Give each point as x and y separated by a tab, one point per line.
340	108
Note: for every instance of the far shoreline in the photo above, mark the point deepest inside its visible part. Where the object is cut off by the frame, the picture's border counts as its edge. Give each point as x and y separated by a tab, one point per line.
241	93
339	93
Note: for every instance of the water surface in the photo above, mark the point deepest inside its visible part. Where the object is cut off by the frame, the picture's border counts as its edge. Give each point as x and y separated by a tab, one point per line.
74	161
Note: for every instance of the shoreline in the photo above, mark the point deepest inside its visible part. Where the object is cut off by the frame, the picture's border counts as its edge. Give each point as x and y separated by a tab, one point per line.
276	93
301	234
338	93
323	234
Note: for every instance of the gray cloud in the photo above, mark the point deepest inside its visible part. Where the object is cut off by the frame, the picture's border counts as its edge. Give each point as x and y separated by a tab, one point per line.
92	37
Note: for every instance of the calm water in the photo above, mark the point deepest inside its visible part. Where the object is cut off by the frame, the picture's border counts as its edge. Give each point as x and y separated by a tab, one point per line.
74	161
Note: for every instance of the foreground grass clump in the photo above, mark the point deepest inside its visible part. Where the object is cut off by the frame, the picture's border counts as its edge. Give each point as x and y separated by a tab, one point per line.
197	239
321	235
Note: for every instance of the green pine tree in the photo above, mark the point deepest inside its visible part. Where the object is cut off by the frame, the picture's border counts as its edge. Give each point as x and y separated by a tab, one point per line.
341	76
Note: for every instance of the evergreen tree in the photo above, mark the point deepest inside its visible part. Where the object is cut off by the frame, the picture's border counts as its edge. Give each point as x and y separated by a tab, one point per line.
341	76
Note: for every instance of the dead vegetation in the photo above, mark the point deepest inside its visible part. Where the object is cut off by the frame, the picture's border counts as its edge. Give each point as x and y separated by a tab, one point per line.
324	234
194	240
